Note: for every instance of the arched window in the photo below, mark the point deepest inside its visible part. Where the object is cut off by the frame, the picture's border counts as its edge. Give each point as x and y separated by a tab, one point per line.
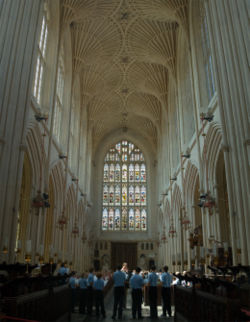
40	62
124	189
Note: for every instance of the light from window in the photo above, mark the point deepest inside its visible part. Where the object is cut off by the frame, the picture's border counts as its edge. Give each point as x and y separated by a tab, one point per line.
58	102
124	189
40	62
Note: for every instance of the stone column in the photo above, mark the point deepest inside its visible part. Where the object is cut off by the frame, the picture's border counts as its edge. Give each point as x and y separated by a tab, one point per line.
19	28
228	26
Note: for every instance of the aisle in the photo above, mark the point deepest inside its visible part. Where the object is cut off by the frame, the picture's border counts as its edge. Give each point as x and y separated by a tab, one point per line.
127	313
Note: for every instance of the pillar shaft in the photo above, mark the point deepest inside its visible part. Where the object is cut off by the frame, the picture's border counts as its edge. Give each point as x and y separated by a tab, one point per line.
228	25
20	20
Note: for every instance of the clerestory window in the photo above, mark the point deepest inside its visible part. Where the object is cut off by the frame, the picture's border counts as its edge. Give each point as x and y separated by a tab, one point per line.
59	101
40	62
207	56
124	189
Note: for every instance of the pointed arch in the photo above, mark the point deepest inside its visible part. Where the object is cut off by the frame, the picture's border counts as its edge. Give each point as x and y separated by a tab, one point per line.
57	179
190	181
176	201
211	152
24	205
50	221
124	196
36	154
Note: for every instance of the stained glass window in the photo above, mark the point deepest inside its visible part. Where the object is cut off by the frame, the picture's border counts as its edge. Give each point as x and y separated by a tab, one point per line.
105	219
124	189
105	195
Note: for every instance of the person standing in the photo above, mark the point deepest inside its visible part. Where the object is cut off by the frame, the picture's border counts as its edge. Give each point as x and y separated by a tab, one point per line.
83	284
166	280
90	294
99	296
126	272
72	285
119	287
136	284
62	270
152	283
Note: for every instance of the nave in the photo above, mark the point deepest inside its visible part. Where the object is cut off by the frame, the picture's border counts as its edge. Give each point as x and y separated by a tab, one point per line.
124	136
127	313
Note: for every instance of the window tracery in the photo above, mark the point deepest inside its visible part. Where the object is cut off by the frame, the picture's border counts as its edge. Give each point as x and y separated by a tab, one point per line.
59	101
124	189
40	62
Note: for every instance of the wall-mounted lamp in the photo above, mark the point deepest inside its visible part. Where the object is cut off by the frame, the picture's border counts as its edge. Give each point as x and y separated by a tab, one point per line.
41	117
206	201
41	200
62	156
203	196
207	116
187	154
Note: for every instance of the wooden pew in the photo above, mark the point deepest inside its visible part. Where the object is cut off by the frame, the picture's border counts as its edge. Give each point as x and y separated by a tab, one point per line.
45	305
195	305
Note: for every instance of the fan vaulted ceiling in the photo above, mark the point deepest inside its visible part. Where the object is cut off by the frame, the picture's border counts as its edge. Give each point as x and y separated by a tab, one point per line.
125	54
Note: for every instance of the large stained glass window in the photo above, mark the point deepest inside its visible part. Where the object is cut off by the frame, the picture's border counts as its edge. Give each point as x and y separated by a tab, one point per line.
124	189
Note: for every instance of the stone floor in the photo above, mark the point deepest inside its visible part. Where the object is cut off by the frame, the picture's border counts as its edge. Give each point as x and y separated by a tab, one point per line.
127	313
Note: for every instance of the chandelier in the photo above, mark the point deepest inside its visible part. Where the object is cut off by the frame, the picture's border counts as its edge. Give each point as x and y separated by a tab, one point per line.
164	237
75	230
62	221
207	201
172	231
185	222
38	200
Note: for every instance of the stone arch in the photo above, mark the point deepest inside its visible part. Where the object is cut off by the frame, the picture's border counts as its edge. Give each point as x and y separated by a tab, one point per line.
185	91
210	155
58	178
222	200
56	196
82	216
166	214
24	208
177	243
71	210
190	178
148	152
166	208
50	222
191	193
176	201
70	213
36	154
